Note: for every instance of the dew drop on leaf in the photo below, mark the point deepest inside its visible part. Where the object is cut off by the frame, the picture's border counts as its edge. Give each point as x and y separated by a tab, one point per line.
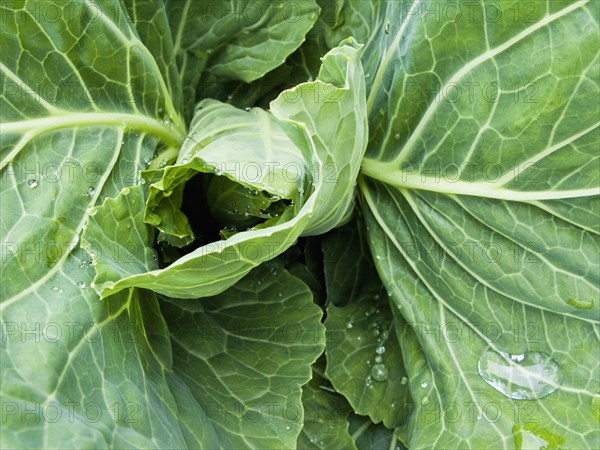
380	350
81	285
32	183
424	385
379	372
425	400
403	381
521	377
349	325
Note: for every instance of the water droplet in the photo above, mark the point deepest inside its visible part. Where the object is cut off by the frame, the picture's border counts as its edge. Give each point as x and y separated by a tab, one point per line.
403	381
379	372
425	400
81	285
378	359
424	385
380	350
91	191
247	109
369	381
521	377
378	257
375	332
147	161
385	334
288	428
397	136
33	183
349	325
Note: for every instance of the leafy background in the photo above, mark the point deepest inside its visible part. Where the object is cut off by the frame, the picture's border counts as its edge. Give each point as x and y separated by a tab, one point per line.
476	212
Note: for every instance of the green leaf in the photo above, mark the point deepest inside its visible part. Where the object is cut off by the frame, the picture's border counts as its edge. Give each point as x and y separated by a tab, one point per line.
345	281
244	355
325	417
331	111
481	192
240	40
370	436
77	371
149	17
364	360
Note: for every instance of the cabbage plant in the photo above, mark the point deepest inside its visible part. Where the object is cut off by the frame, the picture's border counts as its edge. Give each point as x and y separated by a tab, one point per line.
310	224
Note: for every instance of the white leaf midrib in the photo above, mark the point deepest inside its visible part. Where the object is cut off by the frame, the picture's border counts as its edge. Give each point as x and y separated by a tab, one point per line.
66	119
398	178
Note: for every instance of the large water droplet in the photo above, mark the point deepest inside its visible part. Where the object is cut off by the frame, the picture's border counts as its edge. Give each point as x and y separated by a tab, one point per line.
380	350
522	377
379	372
32	183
